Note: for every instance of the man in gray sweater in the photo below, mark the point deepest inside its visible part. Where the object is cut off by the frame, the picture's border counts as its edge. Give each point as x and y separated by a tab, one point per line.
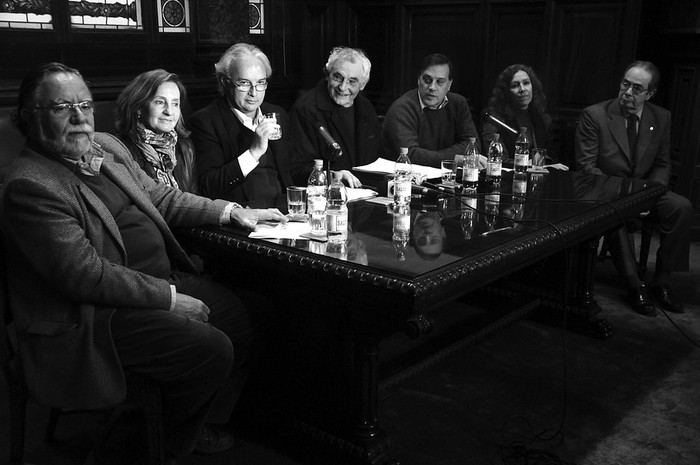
432	122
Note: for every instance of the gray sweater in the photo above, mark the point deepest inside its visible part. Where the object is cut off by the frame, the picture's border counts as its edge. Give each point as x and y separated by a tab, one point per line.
430	135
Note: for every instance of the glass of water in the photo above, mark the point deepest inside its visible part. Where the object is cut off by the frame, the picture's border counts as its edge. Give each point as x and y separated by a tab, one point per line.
296	200
278	132
448	171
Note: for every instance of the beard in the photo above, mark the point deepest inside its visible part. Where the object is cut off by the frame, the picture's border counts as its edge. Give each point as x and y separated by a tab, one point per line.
72	145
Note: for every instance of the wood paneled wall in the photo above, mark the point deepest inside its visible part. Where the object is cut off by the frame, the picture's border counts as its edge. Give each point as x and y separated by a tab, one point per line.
578	47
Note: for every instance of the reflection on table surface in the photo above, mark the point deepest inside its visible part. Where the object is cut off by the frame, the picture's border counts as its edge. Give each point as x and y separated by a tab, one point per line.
439	229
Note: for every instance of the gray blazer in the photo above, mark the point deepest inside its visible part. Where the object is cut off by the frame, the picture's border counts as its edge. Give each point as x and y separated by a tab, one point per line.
602	147
68	270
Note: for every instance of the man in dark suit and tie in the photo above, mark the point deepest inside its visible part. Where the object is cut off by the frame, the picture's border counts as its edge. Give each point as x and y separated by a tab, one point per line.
630	137
237	155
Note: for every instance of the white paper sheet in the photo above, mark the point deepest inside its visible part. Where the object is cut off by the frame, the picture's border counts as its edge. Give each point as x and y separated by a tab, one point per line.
384	166
359	193
290	230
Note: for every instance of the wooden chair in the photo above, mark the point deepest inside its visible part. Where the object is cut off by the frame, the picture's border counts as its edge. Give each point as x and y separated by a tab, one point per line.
141	392
646	229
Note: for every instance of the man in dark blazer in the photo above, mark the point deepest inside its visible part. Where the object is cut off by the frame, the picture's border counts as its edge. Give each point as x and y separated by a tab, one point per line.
630	137
350	119
98	282
236	156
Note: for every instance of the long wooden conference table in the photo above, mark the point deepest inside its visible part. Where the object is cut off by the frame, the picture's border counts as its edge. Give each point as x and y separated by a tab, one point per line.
322	373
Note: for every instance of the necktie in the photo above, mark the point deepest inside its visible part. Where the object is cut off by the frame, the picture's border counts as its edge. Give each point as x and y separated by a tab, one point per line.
632	132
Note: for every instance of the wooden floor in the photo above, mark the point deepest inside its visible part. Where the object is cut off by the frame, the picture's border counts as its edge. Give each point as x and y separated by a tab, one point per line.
530	390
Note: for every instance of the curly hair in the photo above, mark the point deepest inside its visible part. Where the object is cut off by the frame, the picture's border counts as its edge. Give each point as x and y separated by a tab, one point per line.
134	99
502	101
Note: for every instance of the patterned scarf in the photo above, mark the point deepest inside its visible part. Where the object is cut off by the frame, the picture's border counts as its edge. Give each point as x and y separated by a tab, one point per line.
159	152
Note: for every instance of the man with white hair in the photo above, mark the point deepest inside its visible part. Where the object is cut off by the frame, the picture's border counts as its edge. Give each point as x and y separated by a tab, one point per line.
237	157
348	117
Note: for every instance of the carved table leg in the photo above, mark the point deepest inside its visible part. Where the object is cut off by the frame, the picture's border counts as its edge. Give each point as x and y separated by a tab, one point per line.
587	323
366	386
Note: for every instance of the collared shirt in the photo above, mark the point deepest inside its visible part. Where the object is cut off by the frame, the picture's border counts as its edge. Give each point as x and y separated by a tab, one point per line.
90	163
246	160
423	106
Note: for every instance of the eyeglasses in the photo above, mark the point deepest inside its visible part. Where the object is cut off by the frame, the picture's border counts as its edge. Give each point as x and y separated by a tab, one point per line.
636	88
339	79
245	86
64	109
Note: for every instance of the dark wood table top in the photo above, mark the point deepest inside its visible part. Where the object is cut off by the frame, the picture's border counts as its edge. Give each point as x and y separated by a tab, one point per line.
559	210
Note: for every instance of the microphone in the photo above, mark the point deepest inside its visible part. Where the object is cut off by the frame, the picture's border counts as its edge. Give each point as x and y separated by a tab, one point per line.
333	146
493	119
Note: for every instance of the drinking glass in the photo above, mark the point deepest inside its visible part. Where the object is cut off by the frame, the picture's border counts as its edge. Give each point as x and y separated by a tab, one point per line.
296	200
448	171
278	132
537	156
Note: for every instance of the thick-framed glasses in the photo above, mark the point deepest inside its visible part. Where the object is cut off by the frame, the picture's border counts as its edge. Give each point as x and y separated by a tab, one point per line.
64	109
636	88
245	86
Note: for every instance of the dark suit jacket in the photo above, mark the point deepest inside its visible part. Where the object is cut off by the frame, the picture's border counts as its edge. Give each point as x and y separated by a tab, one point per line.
602	147
306	144
69	269
219	138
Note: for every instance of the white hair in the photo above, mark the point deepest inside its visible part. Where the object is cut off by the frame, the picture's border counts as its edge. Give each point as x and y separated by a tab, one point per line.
353	55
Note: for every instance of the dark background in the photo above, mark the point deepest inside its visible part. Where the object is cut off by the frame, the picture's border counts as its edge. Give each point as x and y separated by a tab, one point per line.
578	47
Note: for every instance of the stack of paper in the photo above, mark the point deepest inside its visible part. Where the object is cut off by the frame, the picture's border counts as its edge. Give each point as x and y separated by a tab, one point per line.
384	166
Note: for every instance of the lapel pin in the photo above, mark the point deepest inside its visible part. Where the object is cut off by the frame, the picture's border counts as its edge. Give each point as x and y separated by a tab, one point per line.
651	128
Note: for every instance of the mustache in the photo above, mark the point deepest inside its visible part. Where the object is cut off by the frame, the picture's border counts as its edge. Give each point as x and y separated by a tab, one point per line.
80	129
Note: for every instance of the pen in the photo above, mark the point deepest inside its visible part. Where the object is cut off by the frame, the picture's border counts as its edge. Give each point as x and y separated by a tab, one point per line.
497	230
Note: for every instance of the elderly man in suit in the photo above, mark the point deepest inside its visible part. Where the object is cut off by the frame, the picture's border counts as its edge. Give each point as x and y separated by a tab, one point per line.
237	156
100	285
630	137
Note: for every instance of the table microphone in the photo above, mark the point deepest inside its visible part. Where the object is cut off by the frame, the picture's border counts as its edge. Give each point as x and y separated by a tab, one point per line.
332	144
493	119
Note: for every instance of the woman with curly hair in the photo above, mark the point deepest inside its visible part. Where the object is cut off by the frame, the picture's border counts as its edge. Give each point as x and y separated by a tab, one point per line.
518	100
148	118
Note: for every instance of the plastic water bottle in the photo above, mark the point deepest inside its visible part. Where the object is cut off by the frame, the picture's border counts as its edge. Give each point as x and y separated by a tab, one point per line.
519	193
401	230
470	170
337	211
494	161
522	151
316	199
402	178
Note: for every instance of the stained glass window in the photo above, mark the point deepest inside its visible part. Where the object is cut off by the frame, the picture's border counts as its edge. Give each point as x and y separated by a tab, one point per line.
174	16
20	14
256	16
105	14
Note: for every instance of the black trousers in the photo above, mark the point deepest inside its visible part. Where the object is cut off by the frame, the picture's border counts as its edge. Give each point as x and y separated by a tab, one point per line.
673	213
202	367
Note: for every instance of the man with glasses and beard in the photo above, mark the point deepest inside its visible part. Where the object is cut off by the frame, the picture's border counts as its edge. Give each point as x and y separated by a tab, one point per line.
629	137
